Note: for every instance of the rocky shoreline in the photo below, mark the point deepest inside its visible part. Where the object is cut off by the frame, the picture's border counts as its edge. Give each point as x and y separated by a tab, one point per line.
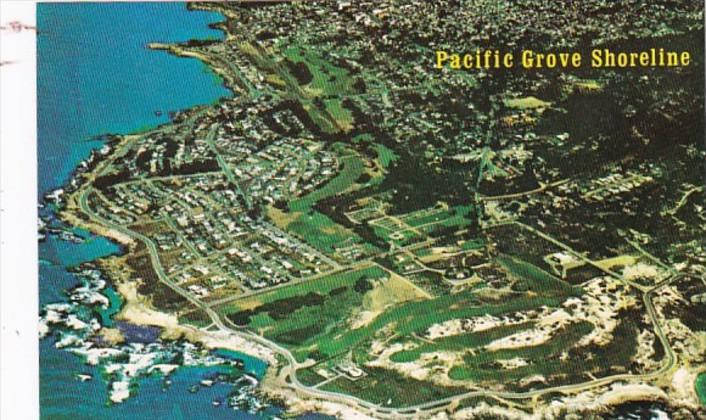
126	353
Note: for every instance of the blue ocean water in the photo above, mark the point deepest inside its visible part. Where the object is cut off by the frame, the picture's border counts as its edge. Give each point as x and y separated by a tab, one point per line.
57	257
96	76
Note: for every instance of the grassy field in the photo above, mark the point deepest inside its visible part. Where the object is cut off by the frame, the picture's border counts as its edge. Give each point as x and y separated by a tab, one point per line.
339	315
542	359
472	245
341	115
321	97
320	285
326	82
315	228
321	232
389	388
296	315
312	315
397	237
701	388
528	102
439	215
352	169
413	227
423	217
385	155
327	79
536	279
459	342
309	377
417	316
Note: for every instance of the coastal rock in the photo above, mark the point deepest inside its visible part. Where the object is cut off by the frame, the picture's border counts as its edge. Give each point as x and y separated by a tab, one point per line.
120	391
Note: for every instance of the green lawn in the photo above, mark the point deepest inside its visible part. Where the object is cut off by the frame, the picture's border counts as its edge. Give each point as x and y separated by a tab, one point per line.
536	279
321	232
701	388
326	78
317	229
543	358
296	315
460	342
389	388
329	82
352	169
385	155
417	316
320	285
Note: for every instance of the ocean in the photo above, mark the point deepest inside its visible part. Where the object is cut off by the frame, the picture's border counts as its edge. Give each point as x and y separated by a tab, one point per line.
96	77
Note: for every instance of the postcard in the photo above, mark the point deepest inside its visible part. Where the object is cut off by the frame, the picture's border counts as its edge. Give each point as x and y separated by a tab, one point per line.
389	209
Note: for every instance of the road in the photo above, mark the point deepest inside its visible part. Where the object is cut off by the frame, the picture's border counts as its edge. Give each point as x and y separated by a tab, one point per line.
523	193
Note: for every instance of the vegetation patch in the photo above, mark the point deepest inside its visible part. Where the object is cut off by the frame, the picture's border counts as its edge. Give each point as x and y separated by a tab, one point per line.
535	279
352	169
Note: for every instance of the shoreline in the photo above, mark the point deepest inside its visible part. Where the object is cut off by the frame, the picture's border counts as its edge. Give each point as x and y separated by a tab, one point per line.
136	310
178	50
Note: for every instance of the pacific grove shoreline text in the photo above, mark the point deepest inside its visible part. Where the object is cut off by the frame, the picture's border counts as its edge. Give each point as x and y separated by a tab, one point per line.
529	59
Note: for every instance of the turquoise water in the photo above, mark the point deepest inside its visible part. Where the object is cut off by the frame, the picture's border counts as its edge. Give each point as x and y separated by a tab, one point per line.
252	366
69	254
114	307
95	76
